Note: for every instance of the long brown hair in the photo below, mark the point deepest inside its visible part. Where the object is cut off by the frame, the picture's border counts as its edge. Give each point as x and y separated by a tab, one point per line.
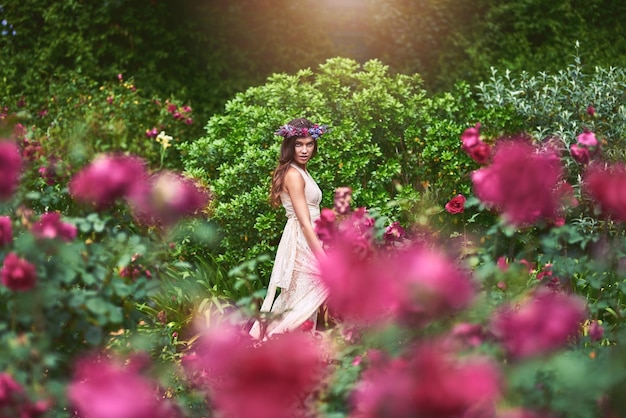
287	153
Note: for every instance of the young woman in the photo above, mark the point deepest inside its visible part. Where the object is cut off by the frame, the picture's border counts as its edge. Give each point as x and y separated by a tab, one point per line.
295	267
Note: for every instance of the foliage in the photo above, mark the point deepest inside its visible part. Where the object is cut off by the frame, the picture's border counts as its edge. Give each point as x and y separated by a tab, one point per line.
208	51
57	42
531	36
558	104
77	120
386	134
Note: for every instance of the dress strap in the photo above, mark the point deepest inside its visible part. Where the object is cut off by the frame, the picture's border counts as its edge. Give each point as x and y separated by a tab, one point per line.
302	171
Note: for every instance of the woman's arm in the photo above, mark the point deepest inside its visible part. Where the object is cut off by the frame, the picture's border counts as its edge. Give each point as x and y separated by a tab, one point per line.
294	185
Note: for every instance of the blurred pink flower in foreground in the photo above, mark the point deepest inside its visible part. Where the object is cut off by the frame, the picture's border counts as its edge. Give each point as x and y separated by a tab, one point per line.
8	389
456	204
18	274
325	225
108	178
6	231
430	284
270	380
521	182
10	168
523	413
413	284
362	289
104	388
356	228
607	185
430	383
465	334
168	197
50	226
539	325
14	401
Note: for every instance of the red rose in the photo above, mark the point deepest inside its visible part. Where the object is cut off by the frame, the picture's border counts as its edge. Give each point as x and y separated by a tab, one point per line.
480	152
456	204
591	111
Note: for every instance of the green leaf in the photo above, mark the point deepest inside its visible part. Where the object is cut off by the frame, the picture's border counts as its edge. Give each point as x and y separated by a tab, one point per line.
98	306
93	335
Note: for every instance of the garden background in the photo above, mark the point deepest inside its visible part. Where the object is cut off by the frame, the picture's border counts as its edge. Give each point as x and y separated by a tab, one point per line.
483	143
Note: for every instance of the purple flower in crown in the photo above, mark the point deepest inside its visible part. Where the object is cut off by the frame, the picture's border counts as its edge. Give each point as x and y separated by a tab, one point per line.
288	131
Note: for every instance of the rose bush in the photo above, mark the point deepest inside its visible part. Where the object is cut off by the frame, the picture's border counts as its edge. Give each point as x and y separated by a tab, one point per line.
76	267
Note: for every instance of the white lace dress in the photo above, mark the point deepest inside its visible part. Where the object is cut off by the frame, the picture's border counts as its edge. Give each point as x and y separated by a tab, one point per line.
295	270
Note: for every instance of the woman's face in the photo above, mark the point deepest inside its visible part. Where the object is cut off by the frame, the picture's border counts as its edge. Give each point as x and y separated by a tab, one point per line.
304	149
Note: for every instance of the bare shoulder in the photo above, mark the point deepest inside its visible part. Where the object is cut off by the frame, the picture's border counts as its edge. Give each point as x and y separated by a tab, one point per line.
293	179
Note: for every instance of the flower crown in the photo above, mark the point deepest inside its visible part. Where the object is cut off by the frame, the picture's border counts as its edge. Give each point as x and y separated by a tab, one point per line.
288	131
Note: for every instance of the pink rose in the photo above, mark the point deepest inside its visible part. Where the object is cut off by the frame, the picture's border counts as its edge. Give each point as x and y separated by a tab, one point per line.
104	388
588	139
502	264
596	331
394	232
50	226
260	381
6	231
18	274
325	225
429	382
579	154
361	289
167	198
607	185
539	325
470	137
8	389
520	182
109	178
429	284
10	168
456	204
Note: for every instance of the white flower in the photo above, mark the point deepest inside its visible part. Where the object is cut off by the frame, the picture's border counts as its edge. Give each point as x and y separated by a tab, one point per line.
163	139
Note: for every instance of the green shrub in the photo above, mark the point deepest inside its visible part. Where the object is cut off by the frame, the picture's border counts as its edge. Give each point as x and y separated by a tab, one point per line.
385	133
556	104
